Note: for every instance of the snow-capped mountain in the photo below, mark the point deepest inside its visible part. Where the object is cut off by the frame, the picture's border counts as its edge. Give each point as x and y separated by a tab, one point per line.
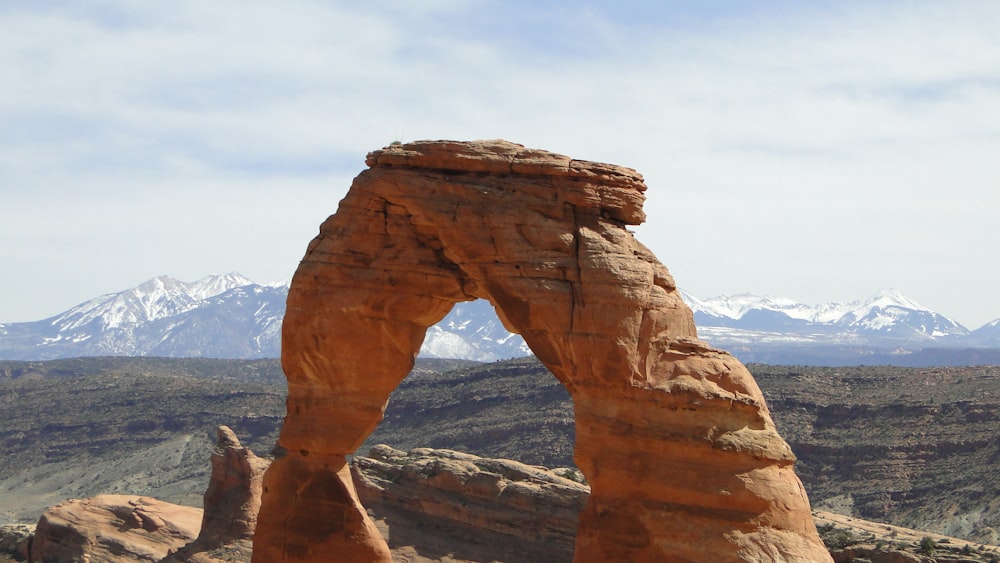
155	299
230	316
472	331
987	335
886	328
220	316
886	318
226	316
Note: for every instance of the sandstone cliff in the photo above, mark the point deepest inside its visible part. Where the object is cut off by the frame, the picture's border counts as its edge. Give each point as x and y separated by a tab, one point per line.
674	437
915	447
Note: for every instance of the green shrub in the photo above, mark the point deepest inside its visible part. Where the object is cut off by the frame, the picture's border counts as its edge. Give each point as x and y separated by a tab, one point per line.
927	546
836	538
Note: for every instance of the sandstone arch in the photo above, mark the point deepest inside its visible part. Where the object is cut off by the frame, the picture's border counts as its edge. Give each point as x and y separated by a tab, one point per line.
674	437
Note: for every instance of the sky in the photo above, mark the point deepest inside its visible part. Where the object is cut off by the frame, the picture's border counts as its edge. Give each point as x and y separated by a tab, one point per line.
819	151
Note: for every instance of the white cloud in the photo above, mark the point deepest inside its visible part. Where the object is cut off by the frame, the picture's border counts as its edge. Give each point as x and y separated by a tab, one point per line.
815	153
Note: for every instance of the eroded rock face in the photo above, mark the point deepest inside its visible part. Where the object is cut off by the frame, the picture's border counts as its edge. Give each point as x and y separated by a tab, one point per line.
479	509
113	528
232	501
15	541
674	437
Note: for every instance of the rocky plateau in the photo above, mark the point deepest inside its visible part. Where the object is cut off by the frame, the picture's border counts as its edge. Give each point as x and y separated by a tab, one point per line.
430	506
937	466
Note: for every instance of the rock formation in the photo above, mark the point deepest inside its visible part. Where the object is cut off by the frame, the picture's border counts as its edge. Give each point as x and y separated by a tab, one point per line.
475	508
673	436
232	501
113	528
15	541
132	528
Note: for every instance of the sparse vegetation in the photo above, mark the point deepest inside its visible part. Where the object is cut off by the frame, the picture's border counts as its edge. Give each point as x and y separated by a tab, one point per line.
84	426
571	473
911	446
836	538
897	439
513	409
927	546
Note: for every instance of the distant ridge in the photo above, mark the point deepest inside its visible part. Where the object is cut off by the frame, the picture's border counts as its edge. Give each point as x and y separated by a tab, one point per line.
887	314
888	317
221	315
886	328
230	316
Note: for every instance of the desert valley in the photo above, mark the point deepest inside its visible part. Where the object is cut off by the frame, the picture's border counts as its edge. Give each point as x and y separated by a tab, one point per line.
881	469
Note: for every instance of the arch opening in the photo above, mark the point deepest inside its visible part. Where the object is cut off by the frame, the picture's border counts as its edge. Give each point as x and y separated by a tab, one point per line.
472	331
504	404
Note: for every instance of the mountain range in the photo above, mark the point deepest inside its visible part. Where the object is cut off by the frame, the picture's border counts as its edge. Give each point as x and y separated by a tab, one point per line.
886	328
230	316
224	316
886	318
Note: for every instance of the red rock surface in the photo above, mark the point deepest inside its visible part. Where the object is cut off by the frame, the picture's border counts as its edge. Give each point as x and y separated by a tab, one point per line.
473	508
684	461
113	528
232	501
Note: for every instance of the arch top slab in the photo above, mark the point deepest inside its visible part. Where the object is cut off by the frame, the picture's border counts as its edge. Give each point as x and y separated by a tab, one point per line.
674	437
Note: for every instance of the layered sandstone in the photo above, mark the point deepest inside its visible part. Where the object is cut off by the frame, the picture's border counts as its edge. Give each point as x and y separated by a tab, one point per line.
476	508
113	528
232	501
674	437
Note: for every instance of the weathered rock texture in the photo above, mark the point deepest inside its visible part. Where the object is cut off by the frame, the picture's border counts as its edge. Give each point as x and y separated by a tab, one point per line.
15	541
113	528
674	437
131	528
232	501
475	508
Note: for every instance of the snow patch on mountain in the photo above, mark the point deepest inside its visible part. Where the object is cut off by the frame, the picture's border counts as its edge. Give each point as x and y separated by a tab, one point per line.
230	316
214	284
888	315
160	297
736	306
472	331
162	316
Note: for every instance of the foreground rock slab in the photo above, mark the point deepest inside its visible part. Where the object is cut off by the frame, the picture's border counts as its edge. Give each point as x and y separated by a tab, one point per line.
474	508
853	539
113	528
674	437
